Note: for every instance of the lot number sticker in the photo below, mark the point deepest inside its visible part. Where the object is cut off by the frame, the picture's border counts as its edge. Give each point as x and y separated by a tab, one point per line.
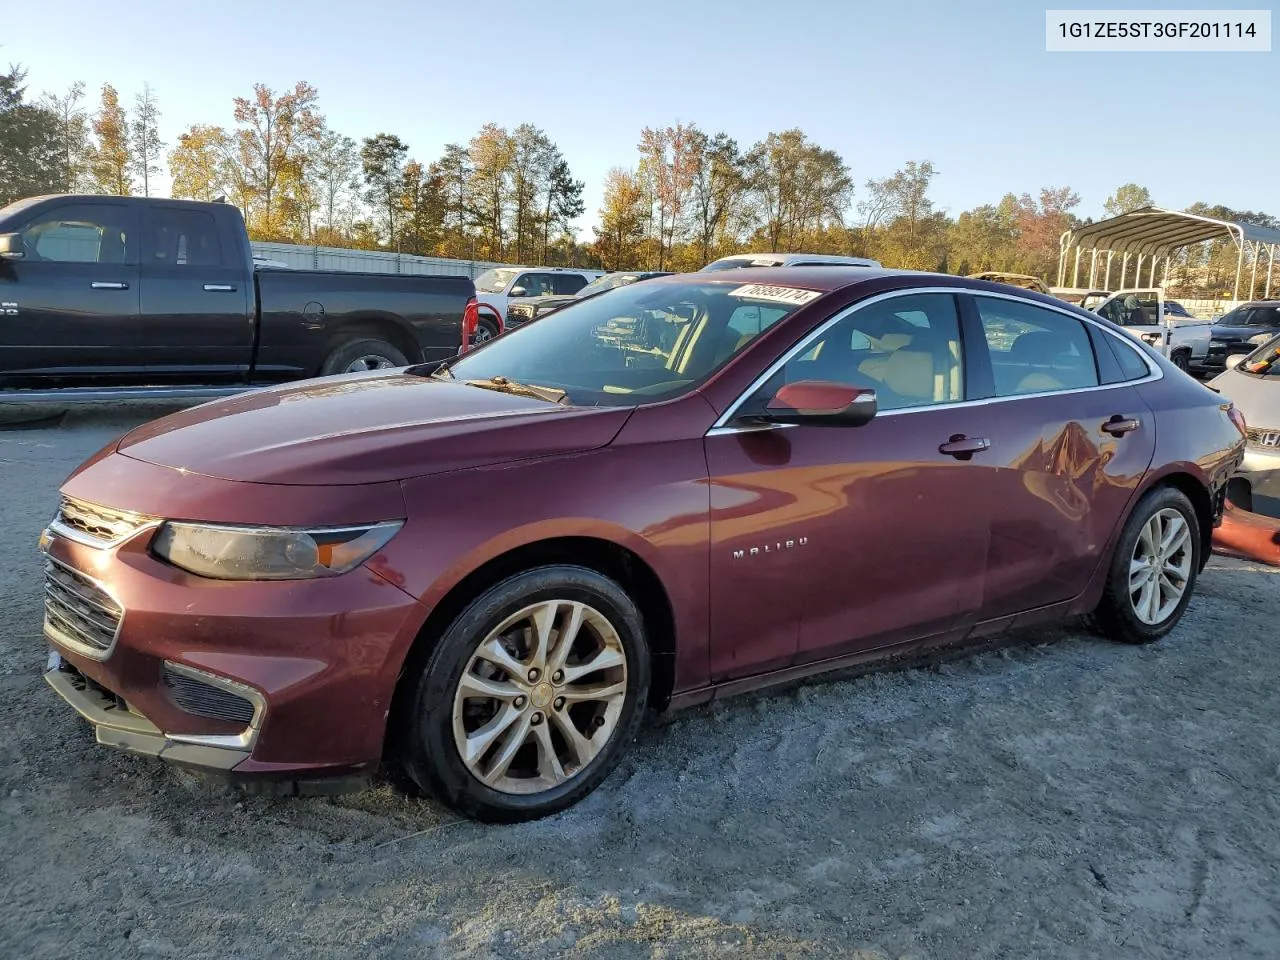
761	291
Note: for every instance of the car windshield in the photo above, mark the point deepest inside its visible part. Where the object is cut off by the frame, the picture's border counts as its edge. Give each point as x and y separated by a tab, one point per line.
638	343
608	282
495	281
1263	362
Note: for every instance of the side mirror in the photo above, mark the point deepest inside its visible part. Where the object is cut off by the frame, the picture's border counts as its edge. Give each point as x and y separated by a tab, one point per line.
519	292
821	403
11	247
1235	360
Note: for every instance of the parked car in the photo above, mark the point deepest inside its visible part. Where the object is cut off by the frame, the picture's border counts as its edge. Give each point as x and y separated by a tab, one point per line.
126	291
1242	330
724	482
1252	382
1182	338
532	308
501	287
740	260
1013	279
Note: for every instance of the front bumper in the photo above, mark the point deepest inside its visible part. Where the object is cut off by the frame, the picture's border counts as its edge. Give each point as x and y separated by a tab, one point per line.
1261	470
286	680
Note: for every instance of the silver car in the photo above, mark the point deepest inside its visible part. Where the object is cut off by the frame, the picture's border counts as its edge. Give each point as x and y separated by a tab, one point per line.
1252	383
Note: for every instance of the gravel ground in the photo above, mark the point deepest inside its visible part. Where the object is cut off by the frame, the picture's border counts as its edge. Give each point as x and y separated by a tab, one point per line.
1058	797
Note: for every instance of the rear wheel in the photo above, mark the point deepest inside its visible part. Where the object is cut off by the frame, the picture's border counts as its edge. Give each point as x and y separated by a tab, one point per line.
356	356
1153	570
530	697
486	330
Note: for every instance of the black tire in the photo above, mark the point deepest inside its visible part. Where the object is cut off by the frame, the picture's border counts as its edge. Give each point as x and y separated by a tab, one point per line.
1182	361
346	356
486	329
1115	616
425	738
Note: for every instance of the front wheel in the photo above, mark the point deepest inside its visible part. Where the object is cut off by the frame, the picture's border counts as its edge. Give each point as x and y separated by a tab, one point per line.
1153	570
530	697
1182	361
486	330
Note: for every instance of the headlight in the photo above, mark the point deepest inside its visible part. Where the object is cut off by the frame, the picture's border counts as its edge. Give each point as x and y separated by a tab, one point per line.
1261	338
269	553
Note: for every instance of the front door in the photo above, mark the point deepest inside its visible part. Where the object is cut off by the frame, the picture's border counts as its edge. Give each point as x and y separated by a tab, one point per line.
69	306
1071	441
830	540
197	297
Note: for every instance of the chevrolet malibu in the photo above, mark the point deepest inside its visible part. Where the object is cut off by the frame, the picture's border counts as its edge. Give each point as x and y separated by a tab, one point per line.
486	569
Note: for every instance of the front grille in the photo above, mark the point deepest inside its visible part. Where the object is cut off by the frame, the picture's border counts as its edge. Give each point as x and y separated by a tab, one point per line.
100	525
1263	437
206	700
77	611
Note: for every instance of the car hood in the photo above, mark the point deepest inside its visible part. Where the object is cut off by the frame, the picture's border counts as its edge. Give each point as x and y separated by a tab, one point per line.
366	428
1257	397
1225	331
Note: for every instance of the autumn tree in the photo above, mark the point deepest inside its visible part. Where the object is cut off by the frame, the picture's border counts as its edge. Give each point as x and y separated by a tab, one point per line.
622	218
491	154
382	161
903	226
667	165
73	135
203	166
1041	223
801	187
111	161
144	137
716	183
334	170
986	238
32	157
275	132
1127	197
453	171
422	203
564	202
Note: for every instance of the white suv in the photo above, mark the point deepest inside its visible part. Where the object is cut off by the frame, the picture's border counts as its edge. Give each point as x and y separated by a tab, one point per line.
787	260
501	286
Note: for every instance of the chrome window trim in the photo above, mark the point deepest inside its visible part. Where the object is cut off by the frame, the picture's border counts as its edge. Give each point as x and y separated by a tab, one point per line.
241	741
723	425
57	636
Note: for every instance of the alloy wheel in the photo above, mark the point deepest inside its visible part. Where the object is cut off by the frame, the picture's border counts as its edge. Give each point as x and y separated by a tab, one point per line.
540	697
369	361
1160	568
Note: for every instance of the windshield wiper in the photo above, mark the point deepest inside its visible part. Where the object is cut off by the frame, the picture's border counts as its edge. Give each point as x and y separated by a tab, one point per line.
506	385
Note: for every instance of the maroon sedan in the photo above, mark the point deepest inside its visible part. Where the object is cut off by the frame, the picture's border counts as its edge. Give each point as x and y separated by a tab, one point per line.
680	489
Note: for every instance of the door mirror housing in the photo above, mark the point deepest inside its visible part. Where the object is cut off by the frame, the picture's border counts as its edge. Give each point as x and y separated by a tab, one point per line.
11	247
1235	360
519	292
821	403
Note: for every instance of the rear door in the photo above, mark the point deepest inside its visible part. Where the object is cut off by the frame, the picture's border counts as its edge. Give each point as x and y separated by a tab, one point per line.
1072	438
69	307
197	296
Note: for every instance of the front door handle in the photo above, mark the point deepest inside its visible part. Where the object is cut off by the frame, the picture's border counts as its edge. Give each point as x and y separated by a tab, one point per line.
219	288
1119	425
109	285
963	448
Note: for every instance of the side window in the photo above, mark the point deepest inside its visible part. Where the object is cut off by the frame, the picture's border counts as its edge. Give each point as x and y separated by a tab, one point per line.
568	283
536	284
1132	366
1033	349
80	233
181	238
905	348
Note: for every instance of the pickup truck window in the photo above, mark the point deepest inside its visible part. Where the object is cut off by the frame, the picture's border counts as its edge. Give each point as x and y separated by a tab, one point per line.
79	233
182	238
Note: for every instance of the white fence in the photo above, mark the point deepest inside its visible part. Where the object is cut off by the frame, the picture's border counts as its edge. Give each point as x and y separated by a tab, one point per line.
301	257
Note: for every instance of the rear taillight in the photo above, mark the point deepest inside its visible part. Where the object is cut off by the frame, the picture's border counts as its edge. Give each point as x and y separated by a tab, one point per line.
470	323
1236	417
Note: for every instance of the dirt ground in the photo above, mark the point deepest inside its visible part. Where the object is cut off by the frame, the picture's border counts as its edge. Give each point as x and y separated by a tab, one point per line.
1061	797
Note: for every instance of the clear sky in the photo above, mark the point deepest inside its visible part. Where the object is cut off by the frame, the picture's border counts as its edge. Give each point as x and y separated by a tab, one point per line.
966	85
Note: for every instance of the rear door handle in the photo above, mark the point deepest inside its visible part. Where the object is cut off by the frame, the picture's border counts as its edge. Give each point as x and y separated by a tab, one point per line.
1119	425
109	285
219	288
963	448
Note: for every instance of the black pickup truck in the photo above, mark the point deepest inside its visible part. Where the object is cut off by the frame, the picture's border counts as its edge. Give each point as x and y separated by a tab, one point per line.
126	296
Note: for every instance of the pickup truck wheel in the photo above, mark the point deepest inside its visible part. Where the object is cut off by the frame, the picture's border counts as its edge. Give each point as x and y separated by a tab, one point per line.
1182	361
356	356
530	697
486	329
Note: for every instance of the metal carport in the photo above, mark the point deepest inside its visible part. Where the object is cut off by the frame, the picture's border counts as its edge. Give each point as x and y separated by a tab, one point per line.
1150	236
